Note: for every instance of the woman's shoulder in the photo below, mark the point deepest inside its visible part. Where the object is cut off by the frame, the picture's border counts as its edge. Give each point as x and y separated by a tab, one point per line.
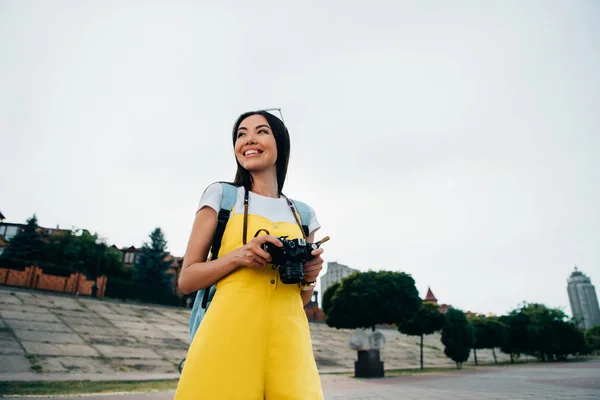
213	194
303	206
307	214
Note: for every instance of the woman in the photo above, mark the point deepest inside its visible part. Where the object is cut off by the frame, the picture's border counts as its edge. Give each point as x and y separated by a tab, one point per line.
254	341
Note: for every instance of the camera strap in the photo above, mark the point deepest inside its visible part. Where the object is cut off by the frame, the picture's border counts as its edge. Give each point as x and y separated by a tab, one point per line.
290	204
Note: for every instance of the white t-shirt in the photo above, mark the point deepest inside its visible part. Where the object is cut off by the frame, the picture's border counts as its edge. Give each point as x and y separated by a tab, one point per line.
276	210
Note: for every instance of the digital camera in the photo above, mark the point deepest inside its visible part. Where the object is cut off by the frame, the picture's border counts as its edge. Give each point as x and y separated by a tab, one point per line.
290	257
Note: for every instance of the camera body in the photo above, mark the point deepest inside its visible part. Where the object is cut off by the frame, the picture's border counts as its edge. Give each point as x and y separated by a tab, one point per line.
290	257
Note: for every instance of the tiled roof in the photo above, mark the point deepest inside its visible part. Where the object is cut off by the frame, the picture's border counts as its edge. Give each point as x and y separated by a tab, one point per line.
430	296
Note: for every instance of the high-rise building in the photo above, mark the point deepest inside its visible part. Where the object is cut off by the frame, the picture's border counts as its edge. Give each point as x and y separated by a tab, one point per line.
582	296
335	273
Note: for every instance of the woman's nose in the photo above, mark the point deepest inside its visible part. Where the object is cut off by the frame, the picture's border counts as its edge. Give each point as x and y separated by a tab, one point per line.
250	138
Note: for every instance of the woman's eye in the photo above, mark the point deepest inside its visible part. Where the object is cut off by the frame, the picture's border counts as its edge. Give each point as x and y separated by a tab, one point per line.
240	134
263	131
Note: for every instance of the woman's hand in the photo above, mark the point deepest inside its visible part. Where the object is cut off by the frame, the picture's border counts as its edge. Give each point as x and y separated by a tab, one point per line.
313	267
252	254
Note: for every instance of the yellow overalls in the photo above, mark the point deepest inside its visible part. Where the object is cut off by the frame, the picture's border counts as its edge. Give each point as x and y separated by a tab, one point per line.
254	341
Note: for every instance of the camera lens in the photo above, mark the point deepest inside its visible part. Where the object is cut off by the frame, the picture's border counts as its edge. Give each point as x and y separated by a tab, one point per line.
291	273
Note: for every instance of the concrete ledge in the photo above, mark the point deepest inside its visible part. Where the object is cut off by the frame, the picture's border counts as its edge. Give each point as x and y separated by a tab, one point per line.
52	377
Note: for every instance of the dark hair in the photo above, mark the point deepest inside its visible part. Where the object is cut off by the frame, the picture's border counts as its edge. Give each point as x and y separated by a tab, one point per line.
282	138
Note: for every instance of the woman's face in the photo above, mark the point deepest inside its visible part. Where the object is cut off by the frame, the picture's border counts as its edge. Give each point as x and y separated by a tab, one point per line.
255	146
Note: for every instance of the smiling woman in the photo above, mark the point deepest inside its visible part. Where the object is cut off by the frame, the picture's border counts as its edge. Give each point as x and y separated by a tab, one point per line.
255	145
253	342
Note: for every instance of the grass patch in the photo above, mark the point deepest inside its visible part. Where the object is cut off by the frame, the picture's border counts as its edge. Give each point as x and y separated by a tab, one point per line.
84	387
36	368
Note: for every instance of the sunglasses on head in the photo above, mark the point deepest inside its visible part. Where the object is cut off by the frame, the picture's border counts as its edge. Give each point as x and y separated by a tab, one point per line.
271	111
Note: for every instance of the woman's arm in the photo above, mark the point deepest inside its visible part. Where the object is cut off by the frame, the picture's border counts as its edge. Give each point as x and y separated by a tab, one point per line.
197	273
312	268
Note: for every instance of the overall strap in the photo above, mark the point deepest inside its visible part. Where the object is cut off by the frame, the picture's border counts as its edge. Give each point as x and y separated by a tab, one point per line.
303	229
245	232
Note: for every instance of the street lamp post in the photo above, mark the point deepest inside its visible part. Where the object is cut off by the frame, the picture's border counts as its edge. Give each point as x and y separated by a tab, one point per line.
102	243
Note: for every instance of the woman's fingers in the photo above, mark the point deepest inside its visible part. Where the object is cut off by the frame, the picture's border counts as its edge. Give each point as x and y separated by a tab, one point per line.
260	261
269	239
317	252
260	252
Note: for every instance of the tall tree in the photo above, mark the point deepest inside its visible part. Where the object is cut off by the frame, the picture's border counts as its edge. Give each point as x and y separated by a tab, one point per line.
457	336
427	320
27	244
366	299
152	267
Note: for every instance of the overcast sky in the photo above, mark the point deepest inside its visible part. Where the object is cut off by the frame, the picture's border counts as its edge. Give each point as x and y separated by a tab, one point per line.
456	141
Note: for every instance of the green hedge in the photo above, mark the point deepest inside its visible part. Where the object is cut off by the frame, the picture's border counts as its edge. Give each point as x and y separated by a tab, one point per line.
147	293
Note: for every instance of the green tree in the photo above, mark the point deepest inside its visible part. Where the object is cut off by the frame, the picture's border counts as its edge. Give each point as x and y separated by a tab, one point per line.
542	332
365	299
517	342
566	338
592	338
76	250
425	321
112	264
81	251
27	244
152	267
542	336
326	302
488	333
457	336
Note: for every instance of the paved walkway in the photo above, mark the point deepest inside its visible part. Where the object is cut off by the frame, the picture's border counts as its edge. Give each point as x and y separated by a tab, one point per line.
560	381
579	380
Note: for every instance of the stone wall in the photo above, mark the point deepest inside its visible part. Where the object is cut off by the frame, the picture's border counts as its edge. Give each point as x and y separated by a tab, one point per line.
33	277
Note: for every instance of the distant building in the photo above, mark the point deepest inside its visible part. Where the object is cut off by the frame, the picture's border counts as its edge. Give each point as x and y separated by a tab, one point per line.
429	297
582	296
131	255
335	273
312	309
9	230
131	258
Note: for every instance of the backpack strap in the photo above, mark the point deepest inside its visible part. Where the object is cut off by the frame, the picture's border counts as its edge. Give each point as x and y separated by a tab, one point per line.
304	212
228	200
